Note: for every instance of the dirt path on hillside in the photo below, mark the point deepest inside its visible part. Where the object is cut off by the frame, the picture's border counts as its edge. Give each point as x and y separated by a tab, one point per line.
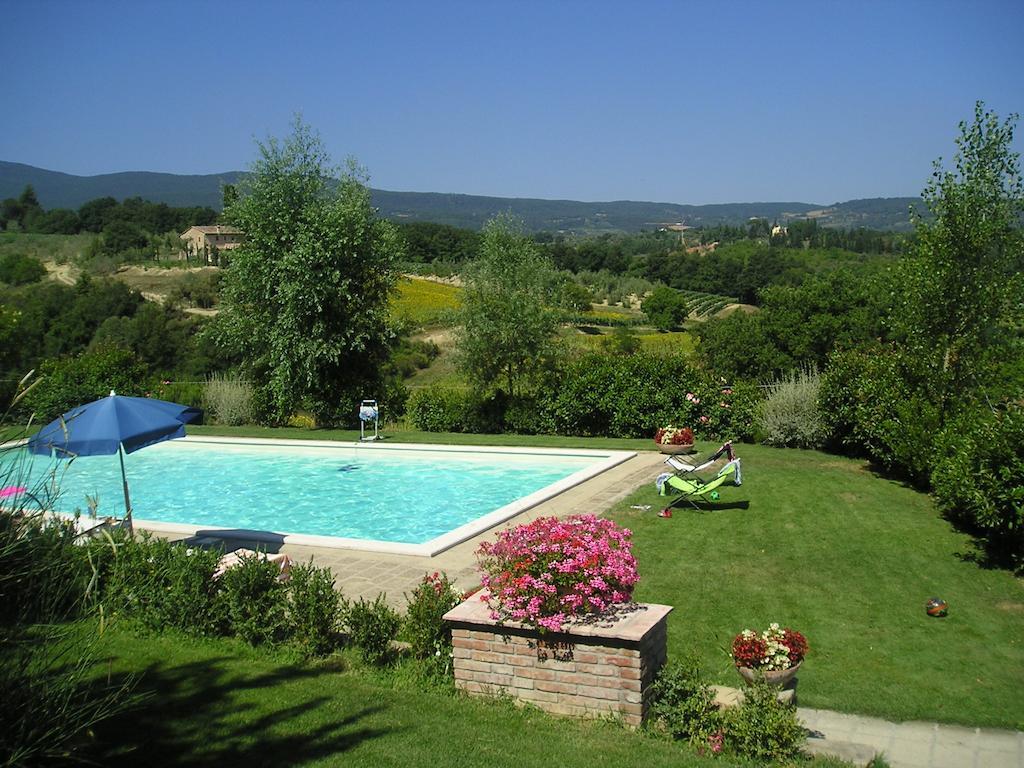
62	273
453	280
154	283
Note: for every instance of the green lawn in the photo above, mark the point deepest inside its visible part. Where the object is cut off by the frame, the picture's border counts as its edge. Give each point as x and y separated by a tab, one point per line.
819	543
218	702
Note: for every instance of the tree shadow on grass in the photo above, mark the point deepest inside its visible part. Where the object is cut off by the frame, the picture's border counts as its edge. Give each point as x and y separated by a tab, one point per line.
204	714
984	553
708	506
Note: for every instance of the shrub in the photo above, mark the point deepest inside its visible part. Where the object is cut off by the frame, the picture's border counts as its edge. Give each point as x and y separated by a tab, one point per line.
527	416
424	629
978	478
228	399
372	627
184	392
665	308
790	416
412	356
762	728
314	608
163	584
64	384
683	704
256	600
19	269
548	571
622	341
632	396
875	402
440	409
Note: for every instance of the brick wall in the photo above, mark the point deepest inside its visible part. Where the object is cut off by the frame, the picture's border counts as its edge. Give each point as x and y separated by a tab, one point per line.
592	670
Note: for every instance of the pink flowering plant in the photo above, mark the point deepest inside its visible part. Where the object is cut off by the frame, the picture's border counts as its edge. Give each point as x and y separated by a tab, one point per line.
550	571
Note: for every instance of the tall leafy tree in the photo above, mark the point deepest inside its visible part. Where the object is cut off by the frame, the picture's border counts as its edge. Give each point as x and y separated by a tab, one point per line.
961	291
508	322
305	300
665	308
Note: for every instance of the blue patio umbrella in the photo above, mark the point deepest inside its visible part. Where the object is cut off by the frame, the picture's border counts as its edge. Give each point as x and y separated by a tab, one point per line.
113	424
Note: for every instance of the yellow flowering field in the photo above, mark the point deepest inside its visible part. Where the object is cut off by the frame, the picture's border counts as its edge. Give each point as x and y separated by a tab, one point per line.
667	343
424	302
655	343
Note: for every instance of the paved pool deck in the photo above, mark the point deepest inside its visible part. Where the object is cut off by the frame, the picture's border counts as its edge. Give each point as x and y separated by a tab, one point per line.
368	574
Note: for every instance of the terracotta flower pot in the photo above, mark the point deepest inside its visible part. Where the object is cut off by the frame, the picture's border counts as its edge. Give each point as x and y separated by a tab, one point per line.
773	676
675	449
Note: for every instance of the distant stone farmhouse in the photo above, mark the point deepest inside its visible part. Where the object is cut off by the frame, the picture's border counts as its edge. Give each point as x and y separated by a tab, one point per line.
206	244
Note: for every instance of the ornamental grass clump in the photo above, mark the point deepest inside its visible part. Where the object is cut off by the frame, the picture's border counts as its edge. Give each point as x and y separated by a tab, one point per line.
550	571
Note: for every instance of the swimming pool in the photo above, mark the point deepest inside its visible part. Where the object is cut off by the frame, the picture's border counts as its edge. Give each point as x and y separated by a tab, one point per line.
411	499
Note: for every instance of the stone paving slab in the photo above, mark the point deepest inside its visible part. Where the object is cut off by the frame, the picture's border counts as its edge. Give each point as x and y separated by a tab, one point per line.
912	744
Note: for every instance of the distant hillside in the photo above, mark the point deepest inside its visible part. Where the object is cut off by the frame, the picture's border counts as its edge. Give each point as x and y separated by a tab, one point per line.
63	190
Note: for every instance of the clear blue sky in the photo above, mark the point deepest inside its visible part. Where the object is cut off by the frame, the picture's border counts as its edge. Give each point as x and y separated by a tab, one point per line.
677	101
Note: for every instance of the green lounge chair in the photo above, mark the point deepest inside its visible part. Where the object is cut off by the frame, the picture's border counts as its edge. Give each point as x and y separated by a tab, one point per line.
693	487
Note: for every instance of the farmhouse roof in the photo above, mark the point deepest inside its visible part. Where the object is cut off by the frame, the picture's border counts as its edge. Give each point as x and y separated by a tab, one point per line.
215	229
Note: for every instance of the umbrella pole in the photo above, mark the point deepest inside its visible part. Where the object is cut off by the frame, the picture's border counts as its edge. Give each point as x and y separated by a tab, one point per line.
124	482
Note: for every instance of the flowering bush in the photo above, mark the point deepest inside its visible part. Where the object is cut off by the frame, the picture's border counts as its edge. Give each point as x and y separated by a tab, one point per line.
674	436
424	628
551	570
773	649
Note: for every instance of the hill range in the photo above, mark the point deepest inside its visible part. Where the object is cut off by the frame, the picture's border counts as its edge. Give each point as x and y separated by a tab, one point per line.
63	190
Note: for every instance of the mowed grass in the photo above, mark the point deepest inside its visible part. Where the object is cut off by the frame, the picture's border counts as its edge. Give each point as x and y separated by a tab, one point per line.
219	702
819	543
424	302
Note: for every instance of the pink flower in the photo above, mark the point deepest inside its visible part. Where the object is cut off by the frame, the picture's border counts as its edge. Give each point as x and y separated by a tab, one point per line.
548	571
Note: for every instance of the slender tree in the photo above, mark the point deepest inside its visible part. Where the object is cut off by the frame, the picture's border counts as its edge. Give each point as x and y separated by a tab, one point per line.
962	289
508	322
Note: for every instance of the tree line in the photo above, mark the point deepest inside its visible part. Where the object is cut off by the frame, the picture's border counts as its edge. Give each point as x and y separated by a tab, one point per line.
25	214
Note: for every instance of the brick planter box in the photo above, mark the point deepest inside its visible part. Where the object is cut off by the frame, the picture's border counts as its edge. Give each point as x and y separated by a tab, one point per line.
591	670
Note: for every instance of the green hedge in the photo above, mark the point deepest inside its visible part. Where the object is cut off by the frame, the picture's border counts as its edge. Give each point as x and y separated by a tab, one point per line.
874	402
978	478
600	396
632	396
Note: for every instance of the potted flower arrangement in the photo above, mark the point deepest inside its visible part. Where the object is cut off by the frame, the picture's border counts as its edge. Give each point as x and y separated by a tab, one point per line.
674	439
774	655
545	573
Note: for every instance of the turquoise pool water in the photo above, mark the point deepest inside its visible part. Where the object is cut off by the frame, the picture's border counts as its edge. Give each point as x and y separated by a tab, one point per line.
402	496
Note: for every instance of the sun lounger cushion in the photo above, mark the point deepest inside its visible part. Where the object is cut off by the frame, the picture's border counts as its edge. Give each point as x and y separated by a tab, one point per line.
231	559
